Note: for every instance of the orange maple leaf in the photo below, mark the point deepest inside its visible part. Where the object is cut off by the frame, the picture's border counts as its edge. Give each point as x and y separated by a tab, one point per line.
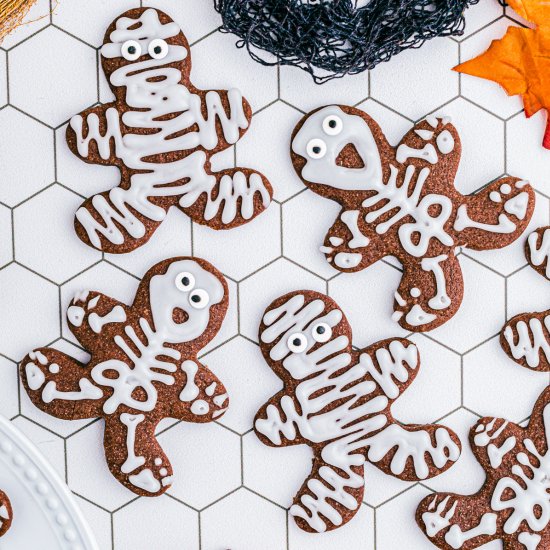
520	61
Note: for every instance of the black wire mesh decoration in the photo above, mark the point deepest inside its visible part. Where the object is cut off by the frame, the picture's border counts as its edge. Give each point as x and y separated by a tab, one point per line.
333	38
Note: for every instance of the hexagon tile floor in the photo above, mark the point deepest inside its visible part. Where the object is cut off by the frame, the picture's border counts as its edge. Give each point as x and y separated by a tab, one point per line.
230	491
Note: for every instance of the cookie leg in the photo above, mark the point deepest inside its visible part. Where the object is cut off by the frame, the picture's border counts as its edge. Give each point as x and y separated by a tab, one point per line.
330	496
453	521
203	397
134	455
350	245
430	292
59	385
496	216
237	196
413	452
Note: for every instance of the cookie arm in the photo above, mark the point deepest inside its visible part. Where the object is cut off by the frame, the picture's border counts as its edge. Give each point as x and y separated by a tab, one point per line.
60	386
454	521
329	497
430	292
200	396
236	197
93	317
413	452
92	134
351	245
496	216
134	455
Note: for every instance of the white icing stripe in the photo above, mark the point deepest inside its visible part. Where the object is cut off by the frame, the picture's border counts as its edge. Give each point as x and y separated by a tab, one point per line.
351	218
417	316
531	340
132	461
190	390
146	481
436	521
87	391
441	299
427	153
540	253
483	439
153	105
529	540
463	221
456	538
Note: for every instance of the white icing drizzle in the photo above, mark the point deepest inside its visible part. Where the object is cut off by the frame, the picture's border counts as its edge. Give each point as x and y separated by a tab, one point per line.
354	423
190	390
200	407
75	315
347	260
210	389
463	221
132	461
350	218
540	253
336	241
97	322
529	486
87	391
495	196
154	103
35	376
145	480
426	135
483	439
93	302
456	538
529	540
441	299
427	153
417	316
445	142
531	340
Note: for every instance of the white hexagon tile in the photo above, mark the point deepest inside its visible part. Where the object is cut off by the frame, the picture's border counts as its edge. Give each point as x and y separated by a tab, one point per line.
230	491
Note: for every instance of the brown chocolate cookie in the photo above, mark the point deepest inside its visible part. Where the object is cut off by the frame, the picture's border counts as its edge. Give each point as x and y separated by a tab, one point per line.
6	513
338	401
514	502
161	133
143	366
537	250
401	201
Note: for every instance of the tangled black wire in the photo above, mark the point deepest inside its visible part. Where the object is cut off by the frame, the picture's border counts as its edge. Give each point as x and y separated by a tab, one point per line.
333	38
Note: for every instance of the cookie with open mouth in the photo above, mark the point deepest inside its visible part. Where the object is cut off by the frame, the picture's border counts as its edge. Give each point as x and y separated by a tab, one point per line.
143	366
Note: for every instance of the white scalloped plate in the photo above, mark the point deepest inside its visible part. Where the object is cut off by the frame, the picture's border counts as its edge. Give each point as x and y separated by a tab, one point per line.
45	514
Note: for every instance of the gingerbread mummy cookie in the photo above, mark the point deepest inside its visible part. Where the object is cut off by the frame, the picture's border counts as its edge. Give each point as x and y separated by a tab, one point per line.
143	366
6	513
514	502
526	337
401	201
338	401
161	132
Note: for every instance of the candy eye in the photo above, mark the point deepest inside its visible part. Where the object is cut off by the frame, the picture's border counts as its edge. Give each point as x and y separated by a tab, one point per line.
297	342
332	125
316	149
199	298
321	332
185	281
158	48
131	50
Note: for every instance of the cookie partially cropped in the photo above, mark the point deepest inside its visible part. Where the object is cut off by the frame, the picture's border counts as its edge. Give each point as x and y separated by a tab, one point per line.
514	502
161	133
6	513
402	201
143	366
537	250
338	401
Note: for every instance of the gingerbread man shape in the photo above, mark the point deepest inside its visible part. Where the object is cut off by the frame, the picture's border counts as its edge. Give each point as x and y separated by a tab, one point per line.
338	401
143	366
6	513
526	337
514	502
161	132
401	201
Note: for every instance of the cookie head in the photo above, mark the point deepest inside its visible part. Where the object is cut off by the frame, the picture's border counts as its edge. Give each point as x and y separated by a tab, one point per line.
140	40
296	327
188	298
338	148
